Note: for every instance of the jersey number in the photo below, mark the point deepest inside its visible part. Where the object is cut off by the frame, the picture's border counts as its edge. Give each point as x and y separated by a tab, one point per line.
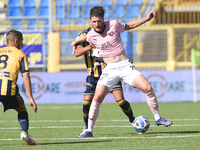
3	59
133	67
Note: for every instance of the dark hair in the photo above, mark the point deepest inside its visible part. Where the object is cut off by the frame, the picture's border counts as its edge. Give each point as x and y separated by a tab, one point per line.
14	33
97	11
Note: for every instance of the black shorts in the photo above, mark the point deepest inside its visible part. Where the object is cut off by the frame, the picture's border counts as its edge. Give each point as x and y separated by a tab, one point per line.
91	83
12	102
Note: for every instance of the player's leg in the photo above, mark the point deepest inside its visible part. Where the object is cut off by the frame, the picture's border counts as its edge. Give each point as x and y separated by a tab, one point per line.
89	91
142	84
86	107
101	91
17	103
119	98
23	119
108	79
22	113
134	78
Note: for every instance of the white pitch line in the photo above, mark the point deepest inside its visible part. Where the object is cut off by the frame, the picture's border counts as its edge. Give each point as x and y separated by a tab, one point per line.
99	138
64	127
122	120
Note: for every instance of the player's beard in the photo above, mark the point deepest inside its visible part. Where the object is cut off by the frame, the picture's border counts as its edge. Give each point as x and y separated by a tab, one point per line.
99	30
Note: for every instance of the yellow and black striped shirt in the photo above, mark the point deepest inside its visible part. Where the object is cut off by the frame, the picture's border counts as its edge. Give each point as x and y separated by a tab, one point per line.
12	60
94	66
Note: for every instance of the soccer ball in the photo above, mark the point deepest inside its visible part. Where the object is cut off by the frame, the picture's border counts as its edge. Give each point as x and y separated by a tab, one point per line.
141	124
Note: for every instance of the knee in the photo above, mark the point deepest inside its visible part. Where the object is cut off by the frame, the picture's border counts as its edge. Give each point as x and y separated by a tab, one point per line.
87	102
98	98
148	89
21	109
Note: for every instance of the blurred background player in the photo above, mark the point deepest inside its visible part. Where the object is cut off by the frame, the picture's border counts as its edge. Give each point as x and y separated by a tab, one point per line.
13	60
105	37
94	66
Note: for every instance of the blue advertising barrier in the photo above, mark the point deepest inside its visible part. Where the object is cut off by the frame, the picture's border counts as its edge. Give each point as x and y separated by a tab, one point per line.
68	87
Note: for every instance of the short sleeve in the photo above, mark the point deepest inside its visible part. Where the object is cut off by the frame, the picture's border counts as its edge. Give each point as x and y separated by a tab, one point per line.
87	38
24	65
82	34
120	26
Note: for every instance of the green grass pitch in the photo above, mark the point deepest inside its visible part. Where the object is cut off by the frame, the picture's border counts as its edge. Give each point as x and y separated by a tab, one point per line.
56	127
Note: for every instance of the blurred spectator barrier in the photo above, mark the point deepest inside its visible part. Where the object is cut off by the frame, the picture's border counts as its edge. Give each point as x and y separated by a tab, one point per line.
33	47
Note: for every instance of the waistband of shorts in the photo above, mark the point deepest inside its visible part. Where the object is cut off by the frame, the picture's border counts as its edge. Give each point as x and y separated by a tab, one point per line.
118	63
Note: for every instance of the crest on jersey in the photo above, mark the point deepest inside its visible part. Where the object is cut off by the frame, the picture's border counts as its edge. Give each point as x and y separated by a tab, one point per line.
111	33
94	38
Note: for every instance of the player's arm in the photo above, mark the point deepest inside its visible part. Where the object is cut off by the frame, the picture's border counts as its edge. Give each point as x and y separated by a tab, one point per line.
27	83
78	41
135	23
80	50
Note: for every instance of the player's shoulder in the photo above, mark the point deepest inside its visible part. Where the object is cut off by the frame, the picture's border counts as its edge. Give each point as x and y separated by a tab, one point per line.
8	48
113	22
91	33
18	51
22	53
11	49
85	32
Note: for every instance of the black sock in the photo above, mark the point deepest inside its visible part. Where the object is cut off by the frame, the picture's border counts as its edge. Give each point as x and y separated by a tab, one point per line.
86	108
23	120
126	108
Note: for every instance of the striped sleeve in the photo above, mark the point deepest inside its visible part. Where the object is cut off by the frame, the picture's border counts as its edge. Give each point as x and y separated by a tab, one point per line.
81	44
24	65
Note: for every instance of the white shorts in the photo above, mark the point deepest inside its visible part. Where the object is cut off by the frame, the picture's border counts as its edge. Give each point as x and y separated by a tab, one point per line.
121	71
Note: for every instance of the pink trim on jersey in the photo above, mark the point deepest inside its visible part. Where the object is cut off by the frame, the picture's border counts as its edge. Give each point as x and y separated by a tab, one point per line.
108	43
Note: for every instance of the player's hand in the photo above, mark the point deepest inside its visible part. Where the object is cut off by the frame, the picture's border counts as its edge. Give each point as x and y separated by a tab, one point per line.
92	46
150	16
33	105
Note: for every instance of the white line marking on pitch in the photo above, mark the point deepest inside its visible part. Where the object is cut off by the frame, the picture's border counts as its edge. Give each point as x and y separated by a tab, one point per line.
122	120
62	127
99	138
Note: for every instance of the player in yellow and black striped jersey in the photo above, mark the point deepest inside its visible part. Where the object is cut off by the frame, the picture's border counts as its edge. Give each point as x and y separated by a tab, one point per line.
95	66
13	60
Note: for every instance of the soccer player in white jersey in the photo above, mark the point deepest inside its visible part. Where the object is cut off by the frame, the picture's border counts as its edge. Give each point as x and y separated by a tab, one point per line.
105	38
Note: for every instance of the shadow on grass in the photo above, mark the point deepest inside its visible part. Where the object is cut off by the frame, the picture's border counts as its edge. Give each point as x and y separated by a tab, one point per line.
74	142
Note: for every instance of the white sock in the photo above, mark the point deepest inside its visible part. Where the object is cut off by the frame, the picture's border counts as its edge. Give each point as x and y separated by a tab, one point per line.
93	114
152	101
90	128
156	116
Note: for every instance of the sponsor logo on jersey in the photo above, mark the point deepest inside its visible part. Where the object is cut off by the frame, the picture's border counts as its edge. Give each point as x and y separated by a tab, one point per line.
4	74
